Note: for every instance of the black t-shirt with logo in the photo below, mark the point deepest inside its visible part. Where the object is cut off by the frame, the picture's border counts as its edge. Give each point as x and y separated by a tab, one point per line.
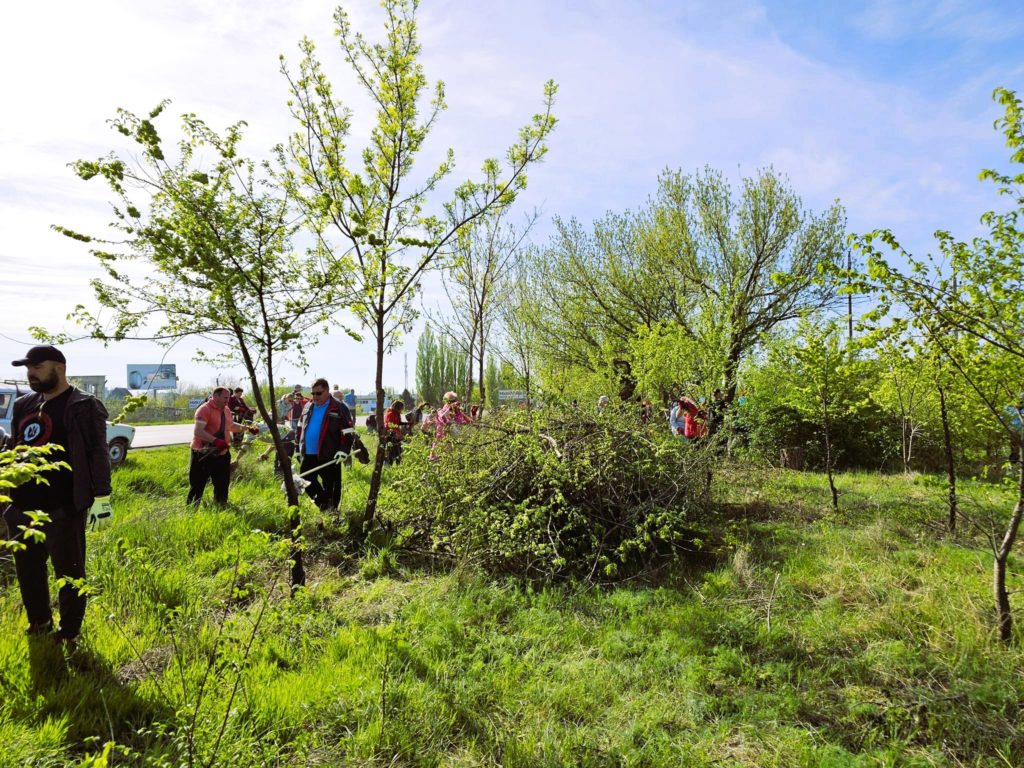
46	427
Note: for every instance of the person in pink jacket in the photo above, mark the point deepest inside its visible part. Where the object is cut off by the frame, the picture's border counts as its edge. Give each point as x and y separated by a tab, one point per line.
695	420
448	419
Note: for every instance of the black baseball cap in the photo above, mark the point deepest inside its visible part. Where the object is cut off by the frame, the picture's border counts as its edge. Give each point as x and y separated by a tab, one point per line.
41	354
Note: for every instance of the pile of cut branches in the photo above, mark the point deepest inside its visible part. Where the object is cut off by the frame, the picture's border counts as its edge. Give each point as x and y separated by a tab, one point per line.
552	495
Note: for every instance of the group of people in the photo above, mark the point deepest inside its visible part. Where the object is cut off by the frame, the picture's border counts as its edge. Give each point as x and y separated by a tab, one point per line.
321	430
76	494
687	419
63	500
436	424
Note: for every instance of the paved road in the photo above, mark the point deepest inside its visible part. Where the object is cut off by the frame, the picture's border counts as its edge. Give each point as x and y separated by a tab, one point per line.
163	434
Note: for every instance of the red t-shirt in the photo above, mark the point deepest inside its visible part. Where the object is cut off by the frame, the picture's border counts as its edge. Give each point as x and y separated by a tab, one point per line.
214	420
392	420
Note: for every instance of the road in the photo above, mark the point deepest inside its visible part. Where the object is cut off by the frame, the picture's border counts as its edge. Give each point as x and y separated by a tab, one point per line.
163	434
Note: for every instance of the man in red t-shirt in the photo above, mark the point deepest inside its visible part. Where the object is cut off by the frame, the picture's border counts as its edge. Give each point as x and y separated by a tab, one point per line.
211	449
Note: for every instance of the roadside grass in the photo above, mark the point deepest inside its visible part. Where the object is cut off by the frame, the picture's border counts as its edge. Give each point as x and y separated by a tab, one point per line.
809	638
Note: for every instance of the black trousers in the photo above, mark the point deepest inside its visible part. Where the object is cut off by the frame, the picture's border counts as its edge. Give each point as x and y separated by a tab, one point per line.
393	451
65	547
325	484
203	468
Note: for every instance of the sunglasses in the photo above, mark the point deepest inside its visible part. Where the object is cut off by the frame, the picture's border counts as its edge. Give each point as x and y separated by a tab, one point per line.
319	392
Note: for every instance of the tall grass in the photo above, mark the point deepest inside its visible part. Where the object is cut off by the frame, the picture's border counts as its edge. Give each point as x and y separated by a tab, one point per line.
862	638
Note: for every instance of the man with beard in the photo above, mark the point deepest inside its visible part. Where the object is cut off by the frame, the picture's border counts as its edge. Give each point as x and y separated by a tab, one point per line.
75	422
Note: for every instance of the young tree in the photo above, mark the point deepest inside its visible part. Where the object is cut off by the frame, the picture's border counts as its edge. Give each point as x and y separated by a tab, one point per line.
476	283
515	347
825	379
943	383
905	392
975	292
917	372
205	250
372	218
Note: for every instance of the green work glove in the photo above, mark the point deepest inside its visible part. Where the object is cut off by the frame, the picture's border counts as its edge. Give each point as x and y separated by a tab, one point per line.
100	513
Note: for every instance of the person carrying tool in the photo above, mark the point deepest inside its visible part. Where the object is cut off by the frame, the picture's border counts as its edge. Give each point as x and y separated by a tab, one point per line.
325	435
211	449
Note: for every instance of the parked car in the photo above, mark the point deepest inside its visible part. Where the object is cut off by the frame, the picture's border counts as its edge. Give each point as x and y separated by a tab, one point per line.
119	436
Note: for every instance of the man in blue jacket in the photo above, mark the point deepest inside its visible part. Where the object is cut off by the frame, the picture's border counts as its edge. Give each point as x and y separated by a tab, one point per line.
60	415
325	429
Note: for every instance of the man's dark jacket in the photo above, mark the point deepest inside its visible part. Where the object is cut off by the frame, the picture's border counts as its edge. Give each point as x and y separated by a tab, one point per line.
86	420
333	437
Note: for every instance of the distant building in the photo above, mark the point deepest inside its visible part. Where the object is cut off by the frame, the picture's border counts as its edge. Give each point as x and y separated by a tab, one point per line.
94	385
118	393
367	403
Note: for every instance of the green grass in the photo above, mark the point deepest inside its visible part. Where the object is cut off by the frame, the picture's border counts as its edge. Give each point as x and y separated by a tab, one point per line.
812	638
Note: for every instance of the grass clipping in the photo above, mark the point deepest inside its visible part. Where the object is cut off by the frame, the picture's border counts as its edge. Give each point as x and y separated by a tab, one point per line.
550	496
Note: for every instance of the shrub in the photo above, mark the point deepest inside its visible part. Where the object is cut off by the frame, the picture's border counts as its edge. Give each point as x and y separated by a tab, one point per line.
546	495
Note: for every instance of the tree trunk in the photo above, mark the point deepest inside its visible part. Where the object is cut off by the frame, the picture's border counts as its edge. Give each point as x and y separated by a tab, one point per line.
269	414
950	465
905	445
469	367
627	381
361	526
999	566
828	467
480	374
732	367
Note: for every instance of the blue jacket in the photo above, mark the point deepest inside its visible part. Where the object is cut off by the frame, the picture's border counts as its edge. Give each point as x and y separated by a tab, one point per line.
333	436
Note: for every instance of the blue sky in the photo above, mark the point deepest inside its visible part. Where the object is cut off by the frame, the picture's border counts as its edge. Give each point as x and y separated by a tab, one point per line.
883	105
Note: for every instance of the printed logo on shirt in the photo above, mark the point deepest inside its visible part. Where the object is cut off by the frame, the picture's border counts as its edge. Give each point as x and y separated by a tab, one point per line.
36	429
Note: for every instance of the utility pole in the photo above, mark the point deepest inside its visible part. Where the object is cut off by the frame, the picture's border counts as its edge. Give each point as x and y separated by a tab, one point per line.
406	388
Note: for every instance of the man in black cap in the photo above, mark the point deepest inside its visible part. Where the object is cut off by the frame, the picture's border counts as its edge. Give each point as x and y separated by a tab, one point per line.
58	414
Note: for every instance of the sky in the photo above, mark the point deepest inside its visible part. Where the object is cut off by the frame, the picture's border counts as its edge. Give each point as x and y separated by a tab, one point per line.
884	105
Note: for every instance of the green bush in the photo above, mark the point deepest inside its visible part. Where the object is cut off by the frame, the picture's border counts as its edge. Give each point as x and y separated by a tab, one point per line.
550	496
